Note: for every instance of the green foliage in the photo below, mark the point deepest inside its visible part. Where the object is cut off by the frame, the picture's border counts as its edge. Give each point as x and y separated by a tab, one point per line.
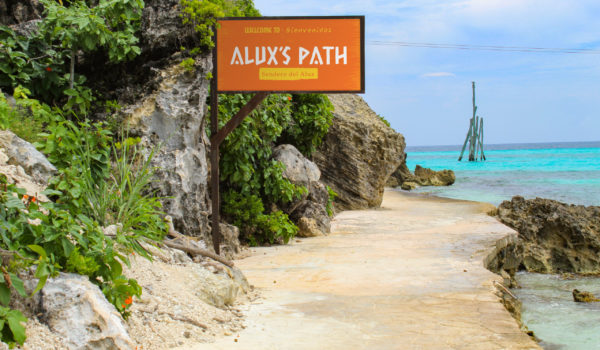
40	62
188	64
247	213
13	119
99	183
249	174
202	15
384	120
311	118
30	62
252	179
11	326
110	25
332	196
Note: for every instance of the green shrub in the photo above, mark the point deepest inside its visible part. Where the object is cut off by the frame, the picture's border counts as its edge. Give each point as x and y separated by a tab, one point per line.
248	170
202	15
99	183
311	118
248	213
331	198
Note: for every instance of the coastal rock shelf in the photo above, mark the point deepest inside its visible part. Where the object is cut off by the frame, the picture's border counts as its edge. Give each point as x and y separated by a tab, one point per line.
554	237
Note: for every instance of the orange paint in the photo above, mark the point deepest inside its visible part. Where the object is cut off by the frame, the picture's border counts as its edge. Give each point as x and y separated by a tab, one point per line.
307	54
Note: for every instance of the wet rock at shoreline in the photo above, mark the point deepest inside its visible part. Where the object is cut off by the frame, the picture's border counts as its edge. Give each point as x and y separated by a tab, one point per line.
583	297
428	177
554	237
358	154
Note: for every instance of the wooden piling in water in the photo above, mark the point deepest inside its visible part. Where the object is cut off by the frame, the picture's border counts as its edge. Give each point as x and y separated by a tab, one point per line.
474	135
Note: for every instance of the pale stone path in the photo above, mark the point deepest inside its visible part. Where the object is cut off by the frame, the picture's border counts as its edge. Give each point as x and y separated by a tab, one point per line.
406	276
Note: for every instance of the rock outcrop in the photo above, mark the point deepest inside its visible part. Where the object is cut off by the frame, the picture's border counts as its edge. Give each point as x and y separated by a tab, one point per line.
172	119
358	154
554	237
428	177
309	212
401	175
422	177
584	297
22	153
76	309
19	11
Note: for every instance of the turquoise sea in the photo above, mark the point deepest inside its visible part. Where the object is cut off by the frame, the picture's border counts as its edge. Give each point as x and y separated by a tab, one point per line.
568	172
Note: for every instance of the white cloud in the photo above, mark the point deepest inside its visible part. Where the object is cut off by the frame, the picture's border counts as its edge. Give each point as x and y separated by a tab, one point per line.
437	75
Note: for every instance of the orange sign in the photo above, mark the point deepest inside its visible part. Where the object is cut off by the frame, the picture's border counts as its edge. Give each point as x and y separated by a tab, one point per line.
290	54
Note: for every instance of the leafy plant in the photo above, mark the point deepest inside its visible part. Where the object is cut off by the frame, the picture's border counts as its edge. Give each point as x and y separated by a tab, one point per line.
382	118
311	118
202	15
110	25
247	212
330	200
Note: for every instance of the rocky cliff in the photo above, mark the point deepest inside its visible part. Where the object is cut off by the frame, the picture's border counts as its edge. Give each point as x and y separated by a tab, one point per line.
554	237
358	154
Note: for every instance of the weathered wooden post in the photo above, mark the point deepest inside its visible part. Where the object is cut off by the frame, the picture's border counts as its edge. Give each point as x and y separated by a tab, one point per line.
474	135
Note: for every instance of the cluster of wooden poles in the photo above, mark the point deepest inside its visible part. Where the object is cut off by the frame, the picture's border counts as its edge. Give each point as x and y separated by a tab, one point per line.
474	136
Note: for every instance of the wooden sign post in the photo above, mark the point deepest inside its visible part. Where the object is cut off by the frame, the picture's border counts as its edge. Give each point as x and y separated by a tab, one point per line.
284	55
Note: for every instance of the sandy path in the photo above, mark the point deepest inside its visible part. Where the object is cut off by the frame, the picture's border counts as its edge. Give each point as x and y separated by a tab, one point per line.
406	276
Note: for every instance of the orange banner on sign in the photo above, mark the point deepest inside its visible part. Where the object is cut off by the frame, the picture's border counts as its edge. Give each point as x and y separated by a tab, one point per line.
290	54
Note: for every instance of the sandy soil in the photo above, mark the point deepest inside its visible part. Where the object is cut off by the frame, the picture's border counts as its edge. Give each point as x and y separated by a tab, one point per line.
406	276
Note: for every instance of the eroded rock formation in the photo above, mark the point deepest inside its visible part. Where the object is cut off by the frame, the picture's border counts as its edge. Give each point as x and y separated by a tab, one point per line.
358	154
554	237
309	212
76	309
172	119
22	153
422	177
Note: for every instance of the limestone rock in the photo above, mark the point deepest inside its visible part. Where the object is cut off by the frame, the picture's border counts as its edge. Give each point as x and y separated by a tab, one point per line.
172	117
76	309
554	237
401	175
428	177
162	29
230	245
24	154
583	297
303	172
18	12
221	289
298	169
409	185
358	154
307	227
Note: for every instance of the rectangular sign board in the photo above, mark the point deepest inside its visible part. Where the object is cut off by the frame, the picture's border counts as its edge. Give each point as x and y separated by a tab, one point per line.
290	54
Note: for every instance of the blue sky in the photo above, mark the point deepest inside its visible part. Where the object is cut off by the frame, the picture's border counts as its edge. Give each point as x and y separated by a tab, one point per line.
523	97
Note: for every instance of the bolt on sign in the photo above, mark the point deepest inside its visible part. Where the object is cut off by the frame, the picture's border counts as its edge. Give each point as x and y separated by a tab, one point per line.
290	54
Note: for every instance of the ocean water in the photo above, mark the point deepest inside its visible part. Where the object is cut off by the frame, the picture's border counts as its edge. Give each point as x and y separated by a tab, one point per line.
568	172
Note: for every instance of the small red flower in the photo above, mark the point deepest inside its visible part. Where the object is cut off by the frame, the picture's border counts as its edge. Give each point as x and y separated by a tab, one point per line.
33	199
25	197
289	98
48	69
129	300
